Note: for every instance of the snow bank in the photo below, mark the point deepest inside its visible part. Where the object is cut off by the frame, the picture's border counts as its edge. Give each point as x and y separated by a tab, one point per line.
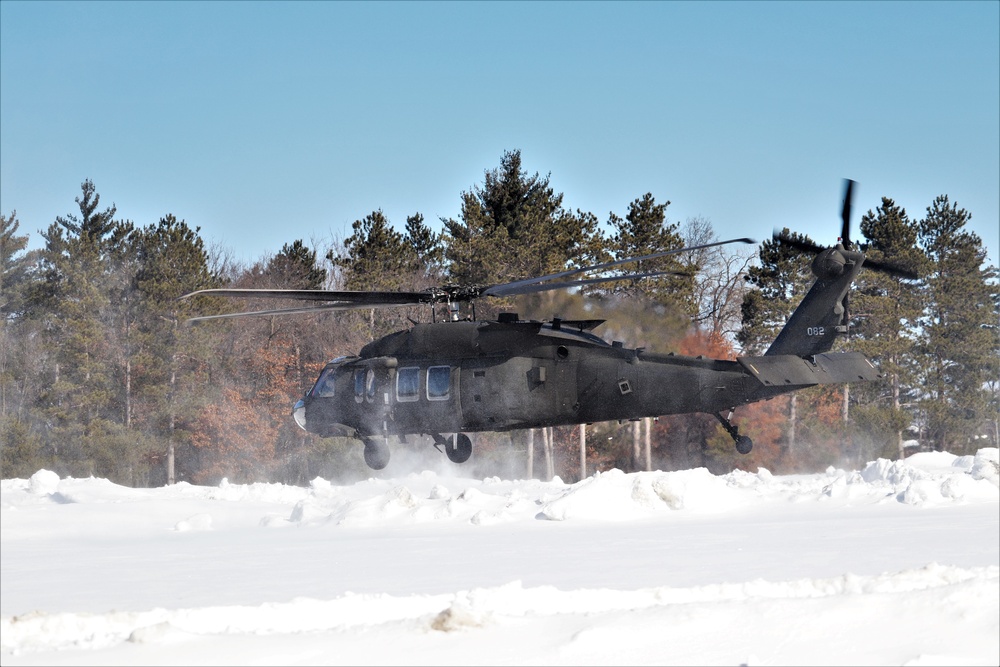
925	479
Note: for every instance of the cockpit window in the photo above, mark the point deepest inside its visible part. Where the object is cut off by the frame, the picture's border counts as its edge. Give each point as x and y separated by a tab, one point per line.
324	385
438	383
408	384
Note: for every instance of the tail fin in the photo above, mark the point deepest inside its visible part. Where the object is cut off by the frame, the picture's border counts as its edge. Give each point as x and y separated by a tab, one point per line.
820	316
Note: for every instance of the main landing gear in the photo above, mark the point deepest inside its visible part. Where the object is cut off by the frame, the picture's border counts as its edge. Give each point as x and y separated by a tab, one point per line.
743	443
458	447
376	453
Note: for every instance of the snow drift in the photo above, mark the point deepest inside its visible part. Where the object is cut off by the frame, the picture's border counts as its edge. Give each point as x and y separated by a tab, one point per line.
896	563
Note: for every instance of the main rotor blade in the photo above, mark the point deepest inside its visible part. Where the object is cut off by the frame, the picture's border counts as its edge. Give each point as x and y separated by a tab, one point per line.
347	300
533	289
523	286
294	311
363	299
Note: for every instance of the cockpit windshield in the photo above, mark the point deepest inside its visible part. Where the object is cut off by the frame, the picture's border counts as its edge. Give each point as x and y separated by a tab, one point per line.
324	386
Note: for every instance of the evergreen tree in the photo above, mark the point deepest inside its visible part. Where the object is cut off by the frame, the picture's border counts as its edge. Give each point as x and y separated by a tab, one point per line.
514	226
779	283
171	382
16	265
427	248
961	340
884	312
295	268
376	256
75	305
645	231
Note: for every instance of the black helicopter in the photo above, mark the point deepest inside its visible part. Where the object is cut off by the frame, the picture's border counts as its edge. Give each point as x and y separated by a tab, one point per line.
447	379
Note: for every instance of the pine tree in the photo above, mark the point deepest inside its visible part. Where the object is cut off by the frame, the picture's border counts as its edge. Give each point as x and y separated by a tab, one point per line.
16	265
514	226
170	383
427	248
643	231
885	310
16	277
779	283
961	339
376	256
295	268
74	303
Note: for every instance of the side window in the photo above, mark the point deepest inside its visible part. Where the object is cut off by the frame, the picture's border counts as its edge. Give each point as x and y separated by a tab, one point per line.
359	385
324	385
407	384
370	385
438	383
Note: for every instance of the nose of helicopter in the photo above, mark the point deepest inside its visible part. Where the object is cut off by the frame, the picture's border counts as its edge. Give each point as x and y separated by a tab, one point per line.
299	413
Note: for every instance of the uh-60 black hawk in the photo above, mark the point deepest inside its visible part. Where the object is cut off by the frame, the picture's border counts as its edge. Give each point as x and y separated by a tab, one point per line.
450	378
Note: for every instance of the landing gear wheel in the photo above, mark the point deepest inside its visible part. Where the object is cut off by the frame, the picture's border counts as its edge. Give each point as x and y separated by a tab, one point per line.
459	448
376	454
744	444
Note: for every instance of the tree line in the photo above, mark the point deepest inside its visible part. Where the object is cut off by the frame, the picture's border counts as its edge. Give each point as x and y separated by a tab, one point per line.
100	374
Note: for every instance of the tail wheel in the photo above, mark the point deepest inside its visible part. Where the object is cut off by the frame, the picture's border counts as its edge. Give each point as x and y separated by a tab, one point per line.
376	454
744	444
459	448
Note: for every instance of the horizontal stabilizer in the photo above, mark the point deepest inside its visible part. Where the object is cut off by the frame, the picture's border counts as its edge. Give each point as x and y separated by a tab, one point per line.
828	368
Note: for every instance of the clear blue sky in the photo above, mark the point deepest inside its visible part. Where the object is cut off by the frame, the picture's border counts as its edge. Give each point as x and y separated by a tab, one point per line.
263	123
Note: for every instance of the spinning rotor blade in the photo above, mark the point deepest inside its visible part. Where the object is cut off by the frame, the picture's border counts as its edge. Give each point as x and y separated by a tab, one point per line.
524	286
347	300
533	289
845	214
874	265
845	240
891	269
799	244
342	300
362	299
280	311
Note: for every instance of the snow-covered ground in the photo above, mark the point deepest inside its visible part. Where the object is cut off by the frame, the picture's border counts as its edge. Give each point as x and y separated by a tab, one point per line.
897	564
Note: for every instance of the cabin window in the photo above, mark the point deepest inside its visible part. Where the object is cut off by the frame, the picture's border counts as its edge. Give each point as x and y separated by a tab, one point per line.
370	385
324	385
359	385
408	384
438	383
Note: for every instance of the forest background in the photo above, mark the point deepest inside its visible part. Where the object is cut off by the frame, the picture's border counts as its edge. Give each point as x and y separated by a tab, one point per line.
100	375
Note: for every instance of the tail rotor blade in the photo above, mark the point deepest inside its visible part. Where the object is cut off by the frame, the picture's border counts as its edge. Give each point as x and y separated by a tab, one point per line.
891	269
798	244
845	214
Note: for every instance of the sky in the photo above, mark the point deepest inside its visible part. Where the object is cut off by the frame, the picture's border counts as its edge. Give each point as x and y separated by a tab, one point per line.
891	563
263	123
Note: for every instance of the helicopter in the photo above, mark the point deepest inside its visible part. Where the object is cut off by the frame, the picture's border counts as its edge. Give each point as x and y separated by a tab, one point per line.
447	379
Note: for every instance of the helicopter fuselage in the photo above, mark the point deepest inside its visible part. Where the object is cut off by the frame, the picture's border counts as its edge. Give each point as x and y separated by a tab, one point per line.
500	375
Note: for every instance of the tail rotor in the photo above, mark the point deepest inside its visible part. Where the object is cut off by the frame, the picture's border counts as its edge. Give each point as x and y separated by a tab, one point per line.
831	262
